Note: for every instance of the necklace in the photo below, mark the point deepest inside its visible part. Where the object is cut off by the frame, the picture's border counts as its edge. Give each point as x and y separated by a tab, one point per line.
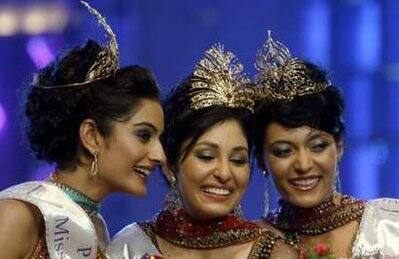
91	206
182	230
320	219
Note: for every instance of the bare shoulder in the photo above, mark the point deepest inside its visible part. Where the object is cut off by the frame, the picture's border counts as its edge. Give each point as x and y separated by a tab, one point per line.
20	228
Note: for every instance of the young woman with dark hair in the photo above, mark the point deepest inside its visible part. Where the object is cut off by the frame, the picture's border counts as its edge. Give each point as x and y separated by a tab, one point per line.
299	132
208	146
100	125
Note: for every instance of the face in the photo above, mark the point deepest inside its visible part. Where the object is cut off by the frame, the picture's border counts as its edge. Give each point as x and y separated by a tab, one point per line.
214	174
133	150
303	162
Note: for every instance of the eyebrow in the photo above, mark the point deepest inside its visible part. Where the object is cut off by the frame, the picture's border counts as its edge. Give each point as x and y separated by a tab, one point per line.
213	145
148	124
281	142
315	134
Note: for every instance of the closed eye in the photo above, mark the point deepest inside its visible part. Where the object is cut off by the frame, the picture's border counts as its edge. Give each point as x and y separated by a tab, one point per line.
143	135
281	152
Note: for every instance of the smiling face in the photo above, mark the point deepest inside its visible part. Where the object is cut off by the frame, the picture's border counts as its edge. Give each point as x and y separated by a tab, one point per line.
303	162
133	150
214	174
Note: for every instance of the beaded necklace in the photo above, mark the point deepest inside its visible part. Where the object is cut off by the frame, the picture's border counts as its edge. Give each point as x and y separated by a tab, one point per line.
184	231
323	218
91	206
317	220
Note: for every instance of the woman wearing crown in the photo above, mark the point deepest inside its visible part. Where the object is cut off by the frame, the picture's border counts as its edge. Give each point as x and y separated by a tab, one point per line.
299	142
100	125
207	143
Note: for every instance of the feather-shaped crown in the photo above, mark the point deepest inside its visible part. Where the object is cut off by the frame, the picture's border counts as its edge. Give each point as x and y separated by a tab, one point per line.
107	62
280	76
219	81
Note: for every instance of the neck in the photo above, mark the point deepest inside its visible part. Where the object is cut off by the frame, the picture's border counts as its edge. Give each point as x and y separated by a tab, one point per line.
80	179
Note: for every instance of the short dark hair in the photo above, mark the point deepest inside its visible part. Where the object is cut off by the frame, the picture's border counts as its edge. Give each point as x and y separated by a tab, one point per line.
55	115
323	111
183	123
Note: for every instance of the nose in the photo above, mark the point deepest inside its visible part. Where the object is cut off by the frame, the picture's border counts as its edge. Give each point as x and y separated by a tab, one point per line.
157	154
223	170
303	162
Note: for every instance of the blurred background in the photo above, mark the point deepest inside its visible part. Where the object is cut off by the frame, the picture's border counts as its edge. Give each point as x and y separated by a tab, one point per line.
355	40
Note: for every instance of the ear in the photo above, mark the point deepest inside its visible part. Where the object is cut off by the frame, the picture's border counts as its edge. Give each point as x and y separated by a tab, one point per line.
89	135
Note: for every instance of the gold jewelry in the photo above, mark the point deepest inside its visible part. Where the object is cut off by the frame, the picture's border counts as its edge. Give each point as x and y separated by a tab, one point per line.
218	81
94	164
107	62
281	76
337	211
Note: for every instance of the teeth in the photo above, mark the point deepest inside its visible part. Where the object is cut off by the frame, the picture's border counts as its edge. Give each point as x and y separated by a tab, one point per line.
305	182
217	191
143	171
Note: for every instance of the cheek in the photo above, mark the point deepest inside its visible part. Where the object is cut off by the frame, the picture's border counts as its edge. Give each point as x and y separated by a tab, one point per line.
188	178
329	164
242	177
279	168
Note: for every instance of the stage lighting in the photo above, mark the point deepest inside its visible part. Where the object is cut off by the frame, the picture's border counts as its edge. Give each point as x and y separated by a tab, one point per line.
39	51
3	117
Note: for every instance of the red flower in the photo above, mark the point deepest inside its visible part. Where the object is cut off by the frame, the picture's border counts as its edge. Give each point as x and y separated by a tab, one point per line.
321	249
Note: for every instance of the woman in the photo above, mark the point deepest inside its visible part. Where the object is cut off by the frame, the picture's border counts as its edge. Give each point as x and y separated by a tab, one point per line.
299	140
100	125
208	124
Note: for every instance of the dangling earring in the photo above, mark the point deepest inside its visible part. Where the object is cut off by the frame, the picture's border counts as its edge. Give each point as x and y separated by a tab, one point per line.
94	164
337	189
266	203
237	211
172	200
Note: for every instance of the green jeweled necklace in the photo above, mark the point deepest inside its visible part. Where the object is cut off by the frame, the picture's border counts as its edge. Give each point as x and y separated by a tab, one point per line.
89	205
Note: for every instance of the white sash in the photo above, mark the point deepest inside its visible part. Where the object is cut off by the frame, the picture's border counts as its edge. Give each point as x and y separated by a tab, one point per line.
70	234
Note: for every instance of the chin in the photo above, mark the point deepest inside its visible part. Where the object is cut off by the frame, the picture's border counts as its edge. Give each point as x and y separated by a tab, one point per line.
217	212
306	202
137	191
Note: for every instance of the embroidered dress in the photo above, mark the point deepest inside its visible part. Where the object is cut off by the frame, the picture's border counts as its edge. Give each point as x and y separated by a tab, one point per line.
377	235
179	229
69	231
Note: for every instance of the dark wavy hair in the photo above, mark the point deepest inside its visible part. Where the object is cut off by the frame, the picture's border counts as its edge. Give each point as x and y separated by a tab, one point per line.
184	124
322	111
55	115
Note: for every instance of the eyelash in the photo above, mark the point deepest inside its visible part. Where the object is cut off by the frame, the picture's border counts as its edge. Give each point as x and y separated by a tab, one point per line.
318	147
239	161
281	152
285	152
205	157
144	136
208	158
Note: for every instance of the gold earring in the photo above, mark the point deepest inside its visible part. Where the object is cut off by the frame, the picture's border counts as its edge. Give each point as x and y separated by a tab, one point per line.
94	164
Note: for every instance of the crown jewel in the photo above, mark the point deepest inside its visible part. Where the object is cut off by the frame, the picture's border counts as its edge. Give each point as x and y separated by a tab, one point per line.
219	80
281	76
107	62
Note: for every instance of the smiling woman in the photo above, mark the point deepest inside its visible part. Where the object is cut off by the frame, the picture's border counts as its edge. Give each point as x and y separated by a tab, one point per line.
207	142
299	141
100	125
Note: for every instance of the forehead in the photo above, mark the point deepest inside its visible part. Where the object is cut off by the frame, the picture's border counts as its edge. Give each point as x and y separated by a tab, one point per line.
275	132
228	133
149	111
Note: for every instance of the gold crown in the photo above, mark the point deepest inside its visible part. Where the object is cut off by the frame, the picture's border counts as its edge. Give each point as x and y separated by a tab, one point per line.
281	76
219	81
107	62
